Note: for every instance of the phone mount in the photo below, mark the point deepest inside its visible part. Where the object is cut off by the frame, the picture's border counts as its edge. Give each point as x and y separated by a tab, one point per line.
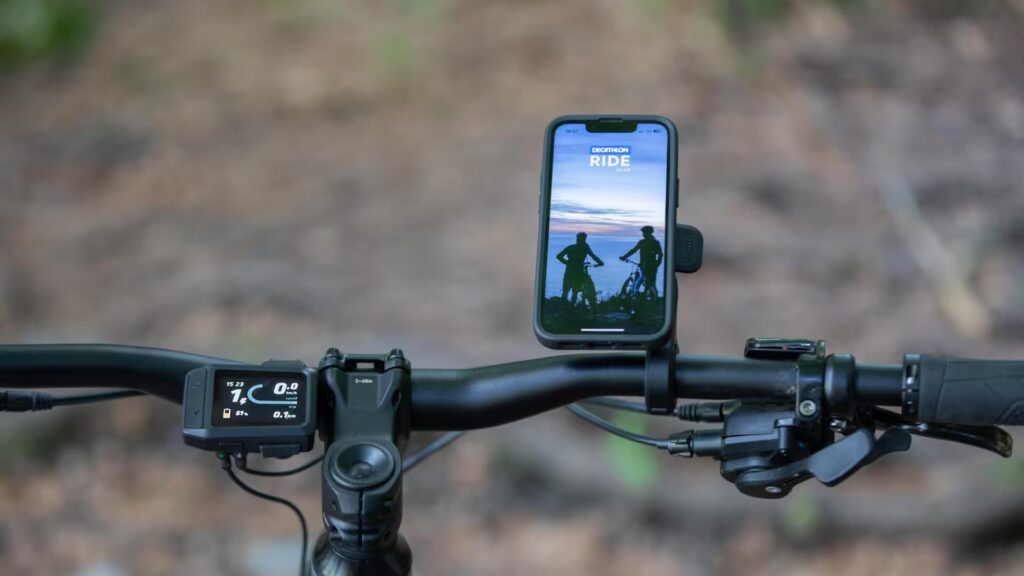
659	378
688	249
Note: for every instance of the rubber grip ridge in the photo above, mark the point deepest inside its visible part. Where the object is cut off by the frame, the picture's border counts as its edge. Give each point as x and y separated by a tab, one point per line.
971	392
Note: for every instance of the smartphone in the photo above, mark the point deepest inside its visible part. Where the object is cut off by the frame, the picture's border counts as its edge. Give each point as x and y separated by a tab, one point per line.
607	224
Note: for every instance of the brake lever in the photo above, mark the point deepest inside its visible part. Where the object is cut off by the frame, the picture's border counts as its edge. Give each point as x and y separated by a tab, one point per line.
830	465
991	438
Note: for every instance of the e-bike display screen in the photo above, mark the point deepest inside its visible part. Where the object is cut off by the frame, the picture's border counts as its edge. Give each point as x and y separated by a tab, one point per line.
259	398
602	273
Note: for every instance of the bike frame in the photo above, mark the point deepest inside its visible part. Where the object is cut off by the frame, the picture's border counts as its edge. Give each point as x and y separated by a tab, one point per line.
634	281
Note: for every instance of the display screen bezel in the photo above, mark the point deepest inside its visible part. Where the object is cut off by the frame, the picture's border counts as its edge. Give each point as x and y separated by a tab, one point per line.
608	340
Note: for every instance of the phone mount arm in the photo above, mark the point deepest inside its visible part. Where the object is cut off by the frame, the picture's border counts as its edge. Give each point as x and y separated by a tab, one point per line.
688	246
660	369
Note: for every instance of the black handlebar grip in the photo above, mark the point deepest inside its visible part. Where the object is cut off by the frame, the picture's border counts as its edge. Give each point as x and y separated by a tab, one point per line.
971	392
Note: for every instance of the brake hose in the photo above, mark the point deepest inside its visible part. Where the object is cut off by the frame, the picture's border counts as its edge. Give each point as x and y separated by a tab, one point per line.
607	426
617	404
410	462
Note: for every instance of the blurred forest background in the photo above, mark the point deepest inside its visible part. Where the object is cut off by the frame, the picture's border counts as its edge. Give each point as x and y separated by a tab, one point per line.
267	178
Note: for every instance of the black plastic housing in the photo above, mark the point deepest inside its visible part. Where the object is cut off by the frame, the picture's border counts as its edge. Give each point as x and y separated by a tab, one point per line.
275	440
366	427
602	340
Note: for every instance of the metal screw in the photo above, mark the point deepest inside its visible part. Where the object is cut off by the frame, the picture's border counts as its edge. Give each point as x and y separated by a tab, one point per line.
773	490
808	408
361	470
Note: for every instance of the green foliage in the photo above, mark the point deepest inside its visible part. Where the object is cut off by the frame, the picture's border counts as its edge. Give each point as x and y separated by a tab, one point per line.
654	8
941	10
422	8
1009	473
32	30
304	13
393	53
38	445
742	18
635	464
801	517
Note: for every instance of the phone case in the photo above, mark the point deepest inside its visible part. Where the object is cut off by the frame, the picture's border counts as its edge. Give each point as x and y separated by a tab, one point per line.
598	340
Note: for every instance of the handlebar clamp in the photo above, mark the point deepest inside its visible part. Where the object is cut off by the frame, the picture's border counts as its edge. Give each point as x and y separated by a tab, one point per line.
659	379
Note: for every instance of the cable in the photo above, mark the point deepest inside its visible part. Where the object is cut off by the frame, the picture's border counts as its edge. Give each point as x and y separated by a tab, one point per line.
34	401
242	465
97	397
707	411
609	427
617	404
429	450
225	463
694	412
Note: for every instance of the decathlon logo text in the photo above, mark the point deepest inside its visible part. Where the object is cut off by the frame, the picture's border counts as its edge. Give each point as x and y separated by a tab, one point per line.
610	157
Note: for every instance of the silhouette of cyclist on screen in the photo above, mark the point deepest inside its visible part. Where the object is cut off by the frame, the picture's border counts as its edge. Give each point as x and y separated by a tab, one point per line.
650	259
574	256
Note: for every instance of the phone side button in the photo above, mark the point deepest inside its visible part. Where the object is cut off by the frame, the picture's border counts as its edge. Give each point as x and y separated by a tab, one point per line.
677	192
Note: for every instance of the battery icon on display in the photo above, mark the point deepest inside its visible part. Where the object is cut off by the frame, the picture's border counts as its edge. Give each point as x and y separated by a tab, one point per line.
227	413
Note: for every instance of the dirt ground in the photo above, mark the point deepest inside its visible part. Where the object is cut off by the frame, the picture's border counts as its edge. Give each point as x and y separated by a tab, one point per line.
257	179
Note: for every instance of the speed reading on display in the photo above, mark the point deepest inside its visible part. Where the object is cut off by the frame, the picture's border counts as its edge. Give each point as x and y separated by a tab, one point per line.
258	398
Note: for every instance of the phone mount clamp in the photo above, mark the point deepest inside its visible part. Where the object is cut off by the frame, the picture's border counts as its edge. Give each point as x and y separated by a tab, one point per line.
660	377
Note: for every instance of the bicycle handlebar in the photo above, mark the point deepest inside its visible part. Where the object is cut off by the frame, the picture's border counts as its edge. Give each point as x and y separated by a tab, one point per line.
452	399
493	395
155	371
948	390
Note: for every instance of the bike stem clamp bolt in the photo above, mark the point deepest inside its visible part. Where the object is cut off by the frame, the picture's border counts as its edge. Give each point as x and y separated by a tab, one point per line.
362	466
808	408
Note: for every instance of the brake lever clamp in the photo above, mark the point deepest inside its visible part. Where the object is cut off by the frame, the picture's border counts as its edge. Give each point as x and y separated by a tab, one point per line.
757	437
767	448
830	465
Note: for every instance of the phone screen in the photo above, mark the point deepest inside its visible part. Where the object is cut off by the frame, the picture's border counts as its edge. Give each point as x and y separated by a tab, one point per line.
604	271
